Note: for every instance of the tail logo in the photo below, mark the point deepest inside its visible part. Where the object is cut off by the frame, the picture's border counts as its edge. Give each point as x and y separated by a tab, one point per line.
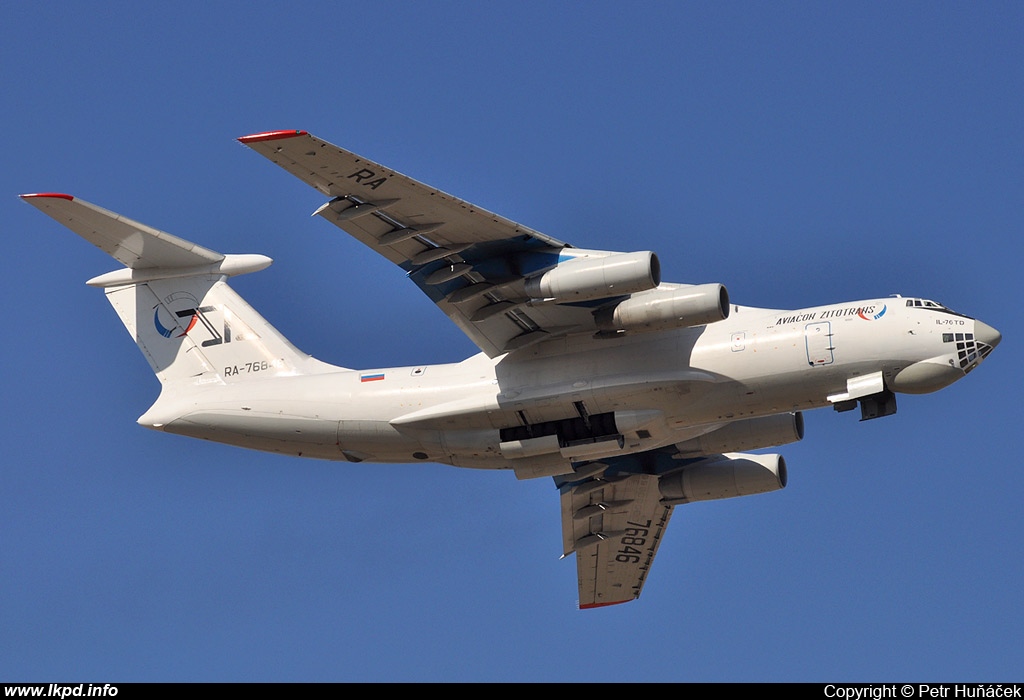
182	305
168	332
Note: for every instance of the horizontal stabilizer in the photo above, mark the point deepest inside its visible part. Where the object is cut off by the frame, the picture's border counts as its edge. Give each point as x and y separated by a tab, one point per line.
175	303
134	244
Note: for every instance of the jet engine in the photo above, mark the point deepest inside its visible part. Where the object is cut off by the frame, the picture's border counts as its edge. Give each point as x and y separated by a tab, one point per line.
747	434
586	278
677	307
724	476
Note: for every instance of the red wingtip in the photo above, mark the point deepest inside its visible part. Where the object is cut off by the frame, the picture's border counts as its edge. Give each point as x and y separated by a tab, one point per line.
272	136
589	606
58	195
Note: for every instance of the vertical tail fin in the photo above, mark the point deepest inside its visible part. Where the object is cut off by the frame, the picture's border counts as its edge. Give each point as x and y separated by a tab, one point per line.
198	329
173	299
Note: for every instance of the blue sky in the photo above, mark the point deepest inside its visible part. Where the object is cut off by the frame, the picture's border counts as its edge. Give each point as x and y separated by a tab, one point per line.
799	153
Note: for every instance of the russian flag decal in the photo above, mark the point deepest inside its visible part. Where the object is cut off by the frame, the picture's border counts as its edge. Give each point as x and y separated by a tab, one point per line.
376	377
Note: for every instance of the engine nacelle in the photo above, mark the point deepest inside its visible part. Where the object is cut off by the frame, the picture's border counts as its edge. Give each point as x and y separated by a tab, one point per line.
585	278
747	434
724	476
681	307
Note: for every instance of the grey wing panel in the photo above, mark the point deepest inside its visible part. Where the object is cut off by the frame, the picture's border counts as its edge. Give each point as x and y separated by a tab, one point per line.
136	245
614	526
460	255
361	188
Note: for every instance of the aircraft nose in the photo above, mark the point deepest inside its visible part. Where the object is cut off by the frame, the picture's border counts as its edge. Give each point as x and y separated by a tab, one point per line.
987	334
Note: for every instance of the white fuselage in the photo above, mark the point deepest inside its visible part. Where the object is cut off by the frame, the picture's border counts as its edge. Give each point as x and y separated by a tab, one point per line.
662	388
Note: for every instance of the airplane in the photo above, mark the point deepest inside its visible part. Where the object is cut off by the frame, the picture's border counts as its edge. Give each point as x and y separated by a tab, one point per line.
633	394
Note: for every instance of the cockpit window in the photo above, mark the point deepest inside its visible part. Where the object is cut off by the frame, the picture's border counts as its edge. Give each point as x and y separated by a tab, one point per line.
925	303
932	306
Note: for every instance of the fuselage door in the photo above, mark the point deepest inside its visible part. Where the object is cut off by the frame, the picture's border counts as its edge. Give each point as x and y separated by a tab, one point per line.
818	337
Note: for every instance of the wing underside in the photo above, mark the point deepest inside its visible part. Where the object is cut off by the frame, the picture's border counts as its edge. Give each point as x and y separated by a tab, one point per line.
614	526
466	259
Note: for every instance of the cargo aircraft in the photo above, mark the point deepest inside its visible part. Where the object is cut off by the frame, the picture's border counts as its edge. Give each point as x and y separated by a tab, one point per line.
633	394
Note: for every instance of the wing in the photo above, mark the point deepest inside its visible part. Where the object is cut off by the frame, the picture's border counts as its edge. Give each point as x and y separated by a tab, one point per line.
614	524
473	264
615	511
